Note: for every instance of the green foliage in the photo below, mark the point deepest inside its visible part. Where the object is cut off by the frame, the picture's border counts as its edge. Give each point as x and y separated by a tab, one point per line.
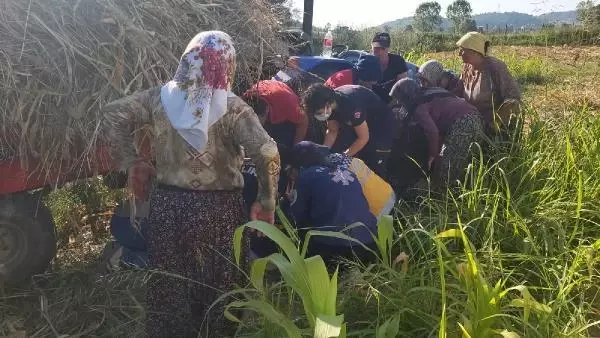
404	41
534	70
307	278
514	253
71	206
588	14
428	17
460	13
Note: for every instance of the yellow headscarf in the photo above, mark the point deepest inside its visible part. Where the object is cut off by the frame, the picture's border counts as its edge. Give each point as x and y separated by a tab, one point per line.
474	41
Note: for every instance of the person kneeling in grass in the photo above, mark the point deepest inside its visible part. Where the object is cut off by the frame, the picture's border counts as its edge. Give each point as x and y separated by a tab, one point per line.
432	75
278	109
328	197
451	126
359	123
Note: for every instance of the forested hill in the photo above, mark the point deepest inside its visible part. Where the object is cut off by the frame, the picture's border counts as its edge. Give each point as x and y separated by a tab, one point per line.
490	20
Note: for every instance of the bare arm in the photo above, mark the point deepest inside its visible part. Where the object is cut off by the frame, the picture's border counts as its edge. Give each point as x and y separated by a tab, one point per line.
333	129
362	138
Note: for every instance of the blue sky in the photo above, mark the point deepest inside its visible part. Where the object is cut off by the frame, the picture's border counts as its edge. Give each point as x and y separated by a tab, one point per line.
360	13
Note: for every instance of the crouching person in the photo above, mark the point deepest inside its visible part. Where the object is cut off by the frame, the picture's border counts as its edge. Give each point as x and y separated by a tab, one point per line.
359	123
278	109
433	75
379	194
129	247
326	197
450	125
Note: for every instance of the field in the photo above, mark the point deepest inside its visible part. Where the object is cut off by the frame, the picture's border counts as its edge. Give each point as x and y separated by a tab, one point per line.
516	254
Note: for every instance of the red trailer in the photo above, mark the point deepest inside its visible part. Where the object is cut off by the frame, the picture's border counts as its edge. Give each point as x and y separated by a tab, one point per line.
27	234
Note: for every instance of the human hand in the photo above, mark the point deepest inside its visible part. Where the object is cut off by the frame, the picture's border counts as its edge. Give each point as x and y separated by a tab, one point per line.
138	179
257	213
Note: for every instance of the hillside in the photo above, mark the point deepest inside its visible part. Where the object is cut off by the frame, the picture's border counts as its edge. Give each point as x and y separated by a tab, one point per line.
501	19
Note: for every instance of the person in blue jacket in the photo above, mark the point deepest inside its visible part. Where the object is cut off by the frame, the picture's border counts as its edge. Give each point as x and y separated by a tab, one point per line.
129	247
323	196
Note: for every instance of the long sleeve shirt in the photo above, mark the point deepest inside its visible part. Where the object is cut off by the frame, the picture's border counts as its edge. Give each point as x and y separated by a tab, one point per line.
488	88
218	167
437	116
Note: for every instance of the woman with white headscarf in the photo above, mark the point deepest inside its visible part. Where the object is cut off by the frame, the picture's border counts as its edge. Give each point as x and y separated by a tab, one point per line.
186	137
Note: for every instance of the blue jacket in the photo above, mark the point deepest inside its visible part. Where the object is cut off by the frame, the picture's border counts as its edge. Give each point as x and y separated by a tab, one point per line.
330	200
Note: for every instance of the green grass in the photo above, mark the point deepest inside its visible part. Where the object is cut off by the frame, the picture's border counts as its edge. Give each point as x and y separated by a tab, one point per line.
515	252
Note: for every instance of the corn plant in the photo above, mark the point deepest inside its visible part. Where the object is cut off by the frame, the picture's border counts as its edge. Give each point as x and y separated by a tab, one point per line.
306	277
483	308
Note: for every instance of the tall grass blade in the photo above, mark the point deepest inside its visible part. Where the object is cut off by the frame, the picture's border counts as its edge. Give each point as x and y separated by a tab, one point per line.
268	312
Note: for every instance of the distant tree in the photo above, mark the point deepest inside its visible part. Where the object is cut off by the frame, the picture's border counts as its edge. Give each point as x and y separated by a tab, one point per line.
460	13
387	28
427	17
584	12
347	36
409	28
470	26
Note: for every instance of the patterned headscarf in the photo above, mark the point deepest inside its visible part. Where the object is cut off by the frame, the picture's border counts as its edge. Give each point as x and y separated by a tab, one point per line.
339	161
197	96
407	92
432	71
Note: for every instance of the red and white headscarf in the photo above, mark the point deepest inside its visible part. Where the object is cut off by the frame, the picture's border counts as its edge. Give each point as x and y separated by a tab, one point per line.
196	98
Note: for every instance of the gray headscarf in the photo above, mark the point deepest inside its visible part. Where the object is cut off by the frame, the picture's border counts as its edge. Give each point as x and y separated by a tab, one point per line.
406	92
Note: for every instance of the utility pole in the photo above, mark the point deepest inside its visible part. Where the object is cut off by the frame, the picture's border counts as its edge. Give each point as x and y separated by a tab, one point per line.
307	19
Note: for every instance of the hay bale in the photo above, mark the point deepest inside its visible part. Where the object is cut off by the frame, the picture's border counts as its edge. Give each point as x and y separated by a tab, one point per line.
61	60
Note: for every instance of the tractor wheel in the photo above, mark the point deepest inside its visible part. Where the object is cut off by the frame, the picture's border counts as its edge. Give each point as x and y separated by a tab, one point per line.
27	238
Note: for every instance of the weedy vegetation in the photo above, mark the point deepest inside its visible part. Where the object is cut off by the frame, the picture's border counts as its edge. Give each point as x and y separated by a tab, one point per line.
515	252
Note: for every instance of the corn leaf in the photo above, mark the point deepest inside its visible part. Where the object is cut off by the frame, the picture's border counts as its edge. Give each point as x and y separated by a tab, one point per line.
275	235
268	312
333	234
507	334
257	273
328	326
331	296
343	332
385	237
319	285
452	233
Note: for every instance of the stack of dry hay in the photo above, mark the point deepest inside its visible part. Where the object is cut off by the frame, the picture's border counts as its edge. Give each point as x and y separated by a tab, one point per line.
61	60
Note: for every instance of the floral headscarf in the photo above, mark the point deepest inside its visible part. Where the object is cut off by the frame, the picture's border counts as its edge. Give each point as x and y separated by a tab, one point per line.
340	161
197	96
